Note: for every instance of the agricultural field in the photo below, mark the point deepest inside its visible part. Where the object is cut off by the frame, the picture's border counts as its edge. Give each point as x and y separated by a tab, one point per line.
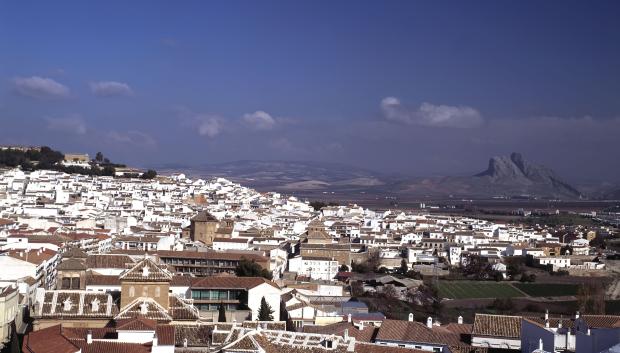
476	289
547	289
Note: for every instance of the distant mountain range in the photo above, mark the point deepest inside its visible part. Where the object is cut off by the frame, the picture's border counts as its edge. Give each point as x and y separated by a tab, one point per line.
505	176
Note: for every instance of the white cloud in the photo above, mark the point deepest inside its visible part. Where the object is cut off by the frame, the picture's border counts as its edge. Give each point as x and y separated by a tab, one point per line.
132	137
40	88
259	120
72	124
110	89
209	125
431	115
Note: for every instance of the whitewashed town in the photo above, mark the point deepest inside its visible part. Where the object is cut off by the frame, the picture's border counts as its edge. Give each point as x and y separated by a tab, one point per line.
177	264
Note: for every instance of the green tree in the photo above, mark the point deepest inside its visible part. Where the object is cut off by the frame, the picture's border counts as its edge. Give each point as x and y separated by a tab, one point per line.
317	205
221	317
149	174
108	170
247	268
265	313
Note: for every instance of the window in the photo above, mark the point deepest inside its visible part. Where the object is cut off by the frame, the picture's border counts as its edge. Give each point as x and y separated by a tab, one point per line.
132	291
157	293
66	283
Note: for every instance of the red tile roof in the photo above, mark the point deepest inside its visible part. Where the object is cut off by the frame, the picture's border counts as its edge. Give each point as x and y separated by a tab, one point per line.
229	282
146	271
497	326
413	331
33	256
136	324
48	340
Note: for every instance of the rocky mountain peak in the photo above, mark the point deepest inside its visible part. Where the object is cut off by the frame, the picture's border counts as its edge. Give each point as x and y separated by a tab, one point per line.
516	170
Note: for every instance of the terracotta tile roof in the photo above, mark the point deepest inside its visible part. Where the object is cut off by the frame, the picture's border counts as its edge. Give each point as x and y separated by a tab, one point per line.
181	281
111	347
362	347
146	271
71	264
5	222
412	331
108	261
136	324
601	321
196	335
198	255
553	322
98	333
266	325
182	309
365	335
76	303
144	307
165	334
102	280
33	256
468	349
462	329
48	340
229	282
497	326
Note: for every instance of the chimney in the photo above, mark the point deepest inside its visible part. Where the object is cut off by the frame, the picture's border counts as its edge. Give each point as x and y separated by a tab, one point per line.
361	327
460	320
547	314
547	323
576	315
351	346
155	340
89	337
185	342
349	318
560	324
346	334
429	322
540	344
589	332
411	317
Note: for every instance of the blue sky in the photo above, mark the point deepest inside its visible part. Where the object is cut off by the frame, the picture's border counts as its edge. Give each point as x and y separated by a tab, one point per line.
416	87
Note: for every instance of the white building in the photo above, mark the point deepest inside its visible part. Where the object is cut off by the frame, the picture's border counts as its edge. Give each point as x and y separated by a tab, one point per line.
315	267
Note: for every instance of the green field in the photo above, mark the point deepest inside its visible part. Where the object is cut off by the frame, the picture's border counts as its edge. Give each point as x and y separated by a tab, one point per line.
547	289
476	289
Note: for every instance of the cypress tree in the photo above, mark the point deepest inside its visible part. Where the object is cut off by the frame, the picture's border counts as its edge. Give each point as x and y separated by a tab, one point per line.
265	313
222	313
